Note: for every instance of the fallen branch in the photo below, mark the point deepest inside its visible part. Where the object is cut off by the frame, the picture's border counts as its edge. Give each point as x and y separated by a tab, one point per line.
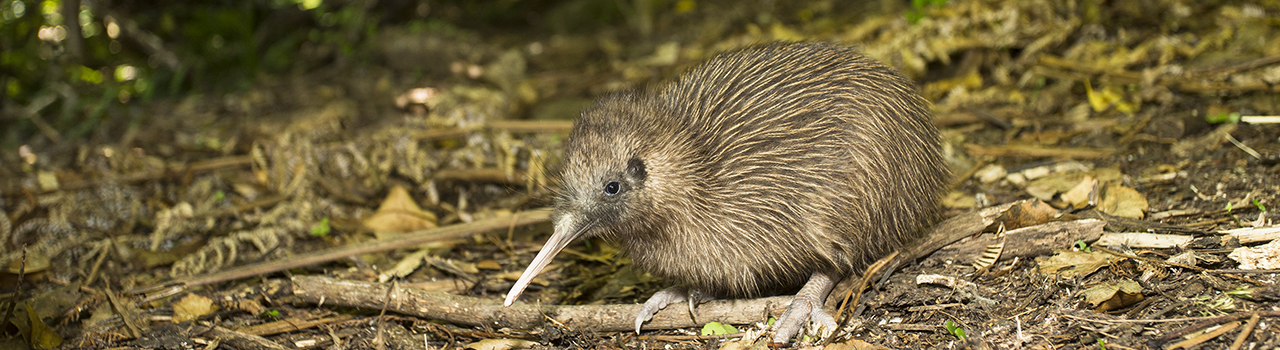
475	311
515	126
168	171
238	340
1037	152
410	239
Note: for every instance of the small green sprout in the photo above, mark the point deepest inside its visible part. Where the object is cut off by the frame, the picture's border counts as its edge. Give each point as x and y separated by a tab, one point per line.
1258	204
919	7
1223	118
1084	247
955	330
717	328
321	229
1102	344
219	196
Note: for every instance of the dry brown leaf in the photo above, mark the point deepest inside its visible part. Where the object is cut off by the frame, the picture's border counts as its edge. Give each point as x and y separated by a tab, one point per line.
1266	256
501	344
1078	197
1074	263
399	213
488	264
191	307
959	200
1123	201
1113	295
855	344
1026	214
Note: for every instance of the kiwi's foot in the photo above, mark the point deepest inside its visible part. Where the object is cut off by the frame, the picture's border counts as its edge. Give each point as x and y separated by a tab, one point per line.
666	297
807	306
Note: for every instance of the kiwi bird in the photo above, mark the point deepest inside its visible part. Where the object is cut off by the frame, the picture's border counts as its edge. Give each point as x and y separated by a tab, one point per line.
764	170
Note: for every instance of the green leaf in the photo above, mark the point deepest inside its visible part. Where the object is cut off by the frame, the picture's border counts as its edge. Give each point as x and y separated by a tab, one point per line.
42	337
955	330
321	229
1082	246
1224	118
717	328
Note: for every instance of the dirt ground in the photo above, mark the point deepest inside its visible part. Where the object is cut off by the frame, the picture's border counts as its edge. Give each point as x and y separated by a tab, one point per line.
199	228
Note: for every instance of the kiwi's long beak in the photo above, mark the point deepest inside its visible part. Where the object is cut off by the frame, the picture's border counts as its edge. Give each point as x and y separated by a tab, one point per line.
568	228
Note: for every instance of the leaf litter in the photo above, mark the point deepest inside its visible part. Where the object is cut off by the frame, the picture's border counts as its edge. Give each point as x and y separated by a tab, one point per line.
1102	110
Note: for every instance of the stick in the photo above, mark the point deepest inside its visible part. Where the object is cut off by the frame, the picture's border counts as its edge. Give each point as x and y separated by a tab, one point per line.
475	311
402	241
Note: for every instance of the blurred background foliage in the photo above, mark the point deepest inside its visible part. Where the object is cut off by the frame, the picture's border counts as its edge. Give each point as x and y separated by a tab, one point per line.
69	66
76	69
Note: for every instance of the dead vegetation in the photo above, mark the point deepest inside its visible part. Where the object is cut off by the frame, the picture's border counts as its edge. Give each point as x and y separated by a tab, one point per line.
317	212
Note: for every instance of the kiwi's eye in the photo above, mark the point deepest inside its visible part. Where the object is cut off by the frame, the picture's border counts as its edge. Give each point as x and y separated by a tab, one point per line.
612	188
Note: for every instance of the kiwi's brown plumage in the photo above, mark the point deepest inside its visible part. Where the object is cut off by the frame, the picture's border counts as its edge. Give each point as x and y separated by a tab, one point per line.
745	175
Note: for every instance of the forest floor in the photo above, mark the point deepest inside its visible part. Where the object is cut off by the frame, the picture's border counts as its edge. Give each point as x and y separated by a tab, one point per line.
1124	152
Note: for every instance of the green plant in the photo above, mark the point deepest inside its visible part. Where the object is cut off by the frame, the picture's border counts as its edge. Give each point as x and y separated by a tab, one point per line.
920	7
955	330
1084	247
321	229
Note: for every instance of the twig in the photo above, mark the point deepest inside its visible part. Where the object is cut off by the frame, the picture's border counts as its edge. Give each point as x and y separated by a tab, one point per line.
1244	333
1037	152
1244	147
691	337
17	293
125	314
1154	344
854	295
237	340
515	126
493	175
1246	65
167	171
1187	344
475	311
1260	119
406	240
282	326
1185	266
1076	71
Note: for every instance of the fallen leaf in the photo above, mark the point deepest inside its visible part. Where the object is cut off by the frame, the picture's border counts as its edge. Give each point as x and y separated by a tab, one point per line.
501	344
855	344
488	264
717	328
1123	201
405	266
1046	188
959	200
192	307
990	173
1107	97
1142	240
1113	295
1025	214
1079	197
1074	263
1263	257
42	336
399	213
